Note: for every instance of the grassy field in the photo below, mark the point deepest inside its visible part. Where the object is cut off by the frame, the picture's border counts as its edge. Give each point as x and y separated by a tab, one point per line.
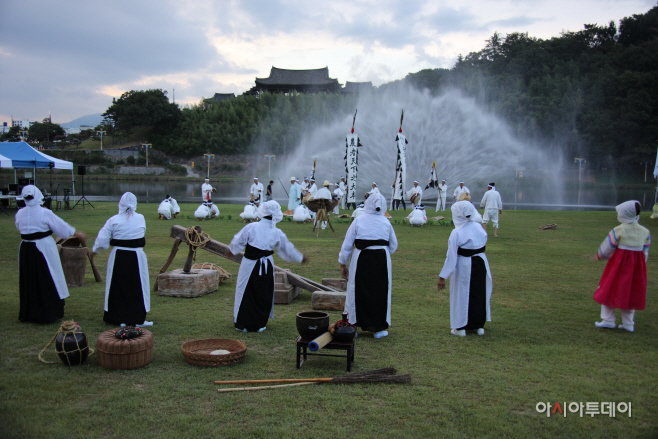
540	346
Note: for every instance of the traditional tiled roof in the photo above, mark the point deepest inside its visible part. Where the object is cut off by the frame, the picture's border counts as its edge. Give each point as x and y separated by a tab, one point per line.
219	97
357	87
311	77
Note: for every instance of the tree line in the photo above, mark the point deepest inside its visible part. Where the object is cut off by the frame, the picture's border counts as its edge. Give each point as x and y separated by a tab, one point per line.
591	93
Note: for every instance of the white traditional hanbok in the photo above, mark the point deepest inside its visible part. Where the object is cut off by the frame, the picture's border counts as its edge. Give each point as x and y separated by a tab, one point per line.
249	213
166	209
256	192
254	289
301	214
443	195
342	185
174	205
338	194
492	204
42	283
418	192
127	291
202	212
358	211
417	217
370	240
459	191
467	268
206	190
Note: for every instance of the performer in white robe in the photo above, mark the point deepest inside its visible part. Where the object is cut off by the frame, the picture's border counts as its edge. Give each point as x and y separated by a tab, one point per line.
312	188
206	190
174	205
323	194
294	195
443	195
42	284
203	212
165	209
301	214
493	206
375	189
467	268
256	192
254	288
459	190
370	240
418	217
127	291
304	186
418	192
359	210
214	210
342	185
339	195
250	213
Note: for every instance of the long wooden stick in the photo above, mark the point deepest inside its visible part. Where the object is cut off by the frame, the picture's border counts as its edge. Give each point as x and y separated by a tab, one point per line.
240	389
97	275
288	380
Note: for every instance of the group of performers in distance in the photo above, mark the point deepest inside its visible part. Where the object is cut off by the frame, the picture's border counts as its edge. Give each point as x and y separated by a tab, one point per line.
364	261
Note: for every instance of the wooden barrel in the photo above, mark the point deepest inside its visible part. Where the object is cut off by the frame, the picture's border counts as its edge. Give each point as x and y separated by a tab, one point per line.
124	354
74	264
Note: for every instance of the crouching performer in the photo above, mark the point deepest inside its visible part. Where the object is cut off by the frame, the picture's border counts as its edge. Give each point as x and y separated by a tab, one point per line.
468	269
369	277
254	289
127	291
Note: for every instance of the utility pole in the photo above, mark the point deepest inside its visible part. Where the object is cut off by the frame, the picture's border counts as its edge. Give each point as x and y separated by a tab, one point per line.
580	161
101	133
209	157
146	146
269	158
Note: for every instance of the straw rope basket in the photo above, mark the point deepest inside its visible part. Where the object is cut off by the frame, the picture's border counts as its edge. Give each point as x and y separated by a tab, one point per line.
223	274
198	352
315	205
113	353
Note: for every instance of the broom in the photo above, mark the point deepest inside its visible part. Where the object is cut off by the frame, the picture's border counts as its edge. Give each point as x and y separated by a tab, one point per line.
386	375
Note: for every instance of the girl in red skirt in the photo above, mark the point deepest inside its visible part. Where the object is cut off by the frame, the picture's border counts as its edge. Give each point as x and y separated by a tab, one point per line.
624	281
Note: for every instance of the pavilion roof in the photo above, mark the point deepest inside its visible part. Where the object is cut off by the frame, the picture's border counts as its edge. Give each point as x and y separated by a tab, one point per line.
357	87
297	77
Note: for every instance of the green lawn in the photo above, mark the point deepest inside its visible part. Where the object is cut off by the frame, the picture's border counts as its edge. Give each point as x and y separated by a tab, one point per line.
540	346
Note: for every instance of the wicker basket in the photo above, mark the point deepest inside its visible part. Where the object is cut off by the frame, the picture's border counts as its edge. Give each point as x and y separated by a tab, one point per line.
198	352
314	205
113	353
223	274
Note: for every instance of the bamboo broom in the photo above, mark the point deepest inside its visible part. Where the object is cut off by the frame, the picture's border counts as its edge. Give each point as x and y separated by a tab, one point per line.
385	375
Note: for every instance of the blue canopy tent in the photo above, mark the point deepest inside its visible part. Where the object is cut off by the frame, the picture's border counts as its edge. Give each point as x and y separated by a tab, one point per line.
21	155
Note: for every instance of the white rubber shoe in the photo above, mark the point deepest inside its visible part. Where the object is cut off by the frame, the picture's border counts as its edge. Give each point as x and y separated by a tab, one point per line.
380	334
262	329
458	332
481	331
146	323
605	325
628	328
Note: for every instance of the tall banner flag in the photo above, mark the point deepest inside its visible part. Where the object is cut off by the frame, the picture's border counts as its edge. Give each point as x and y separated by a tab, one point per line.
655	168
434	179
401	164
351	164
315	162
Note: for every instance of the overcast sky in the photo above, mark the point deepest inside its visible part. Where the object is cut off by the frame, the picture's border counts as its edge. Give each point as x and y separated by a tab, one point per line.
72	57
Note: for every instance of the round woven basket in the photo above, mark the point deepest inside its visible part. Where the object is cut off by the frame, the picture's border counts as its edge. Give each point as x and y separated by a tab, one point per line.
198	352
315	205
113	353
223	274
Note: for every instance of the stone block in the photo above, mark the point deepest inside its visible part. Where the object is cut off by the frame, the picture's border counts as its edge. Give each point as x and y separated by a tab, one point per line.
328	300
196	283
340	284
284	295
